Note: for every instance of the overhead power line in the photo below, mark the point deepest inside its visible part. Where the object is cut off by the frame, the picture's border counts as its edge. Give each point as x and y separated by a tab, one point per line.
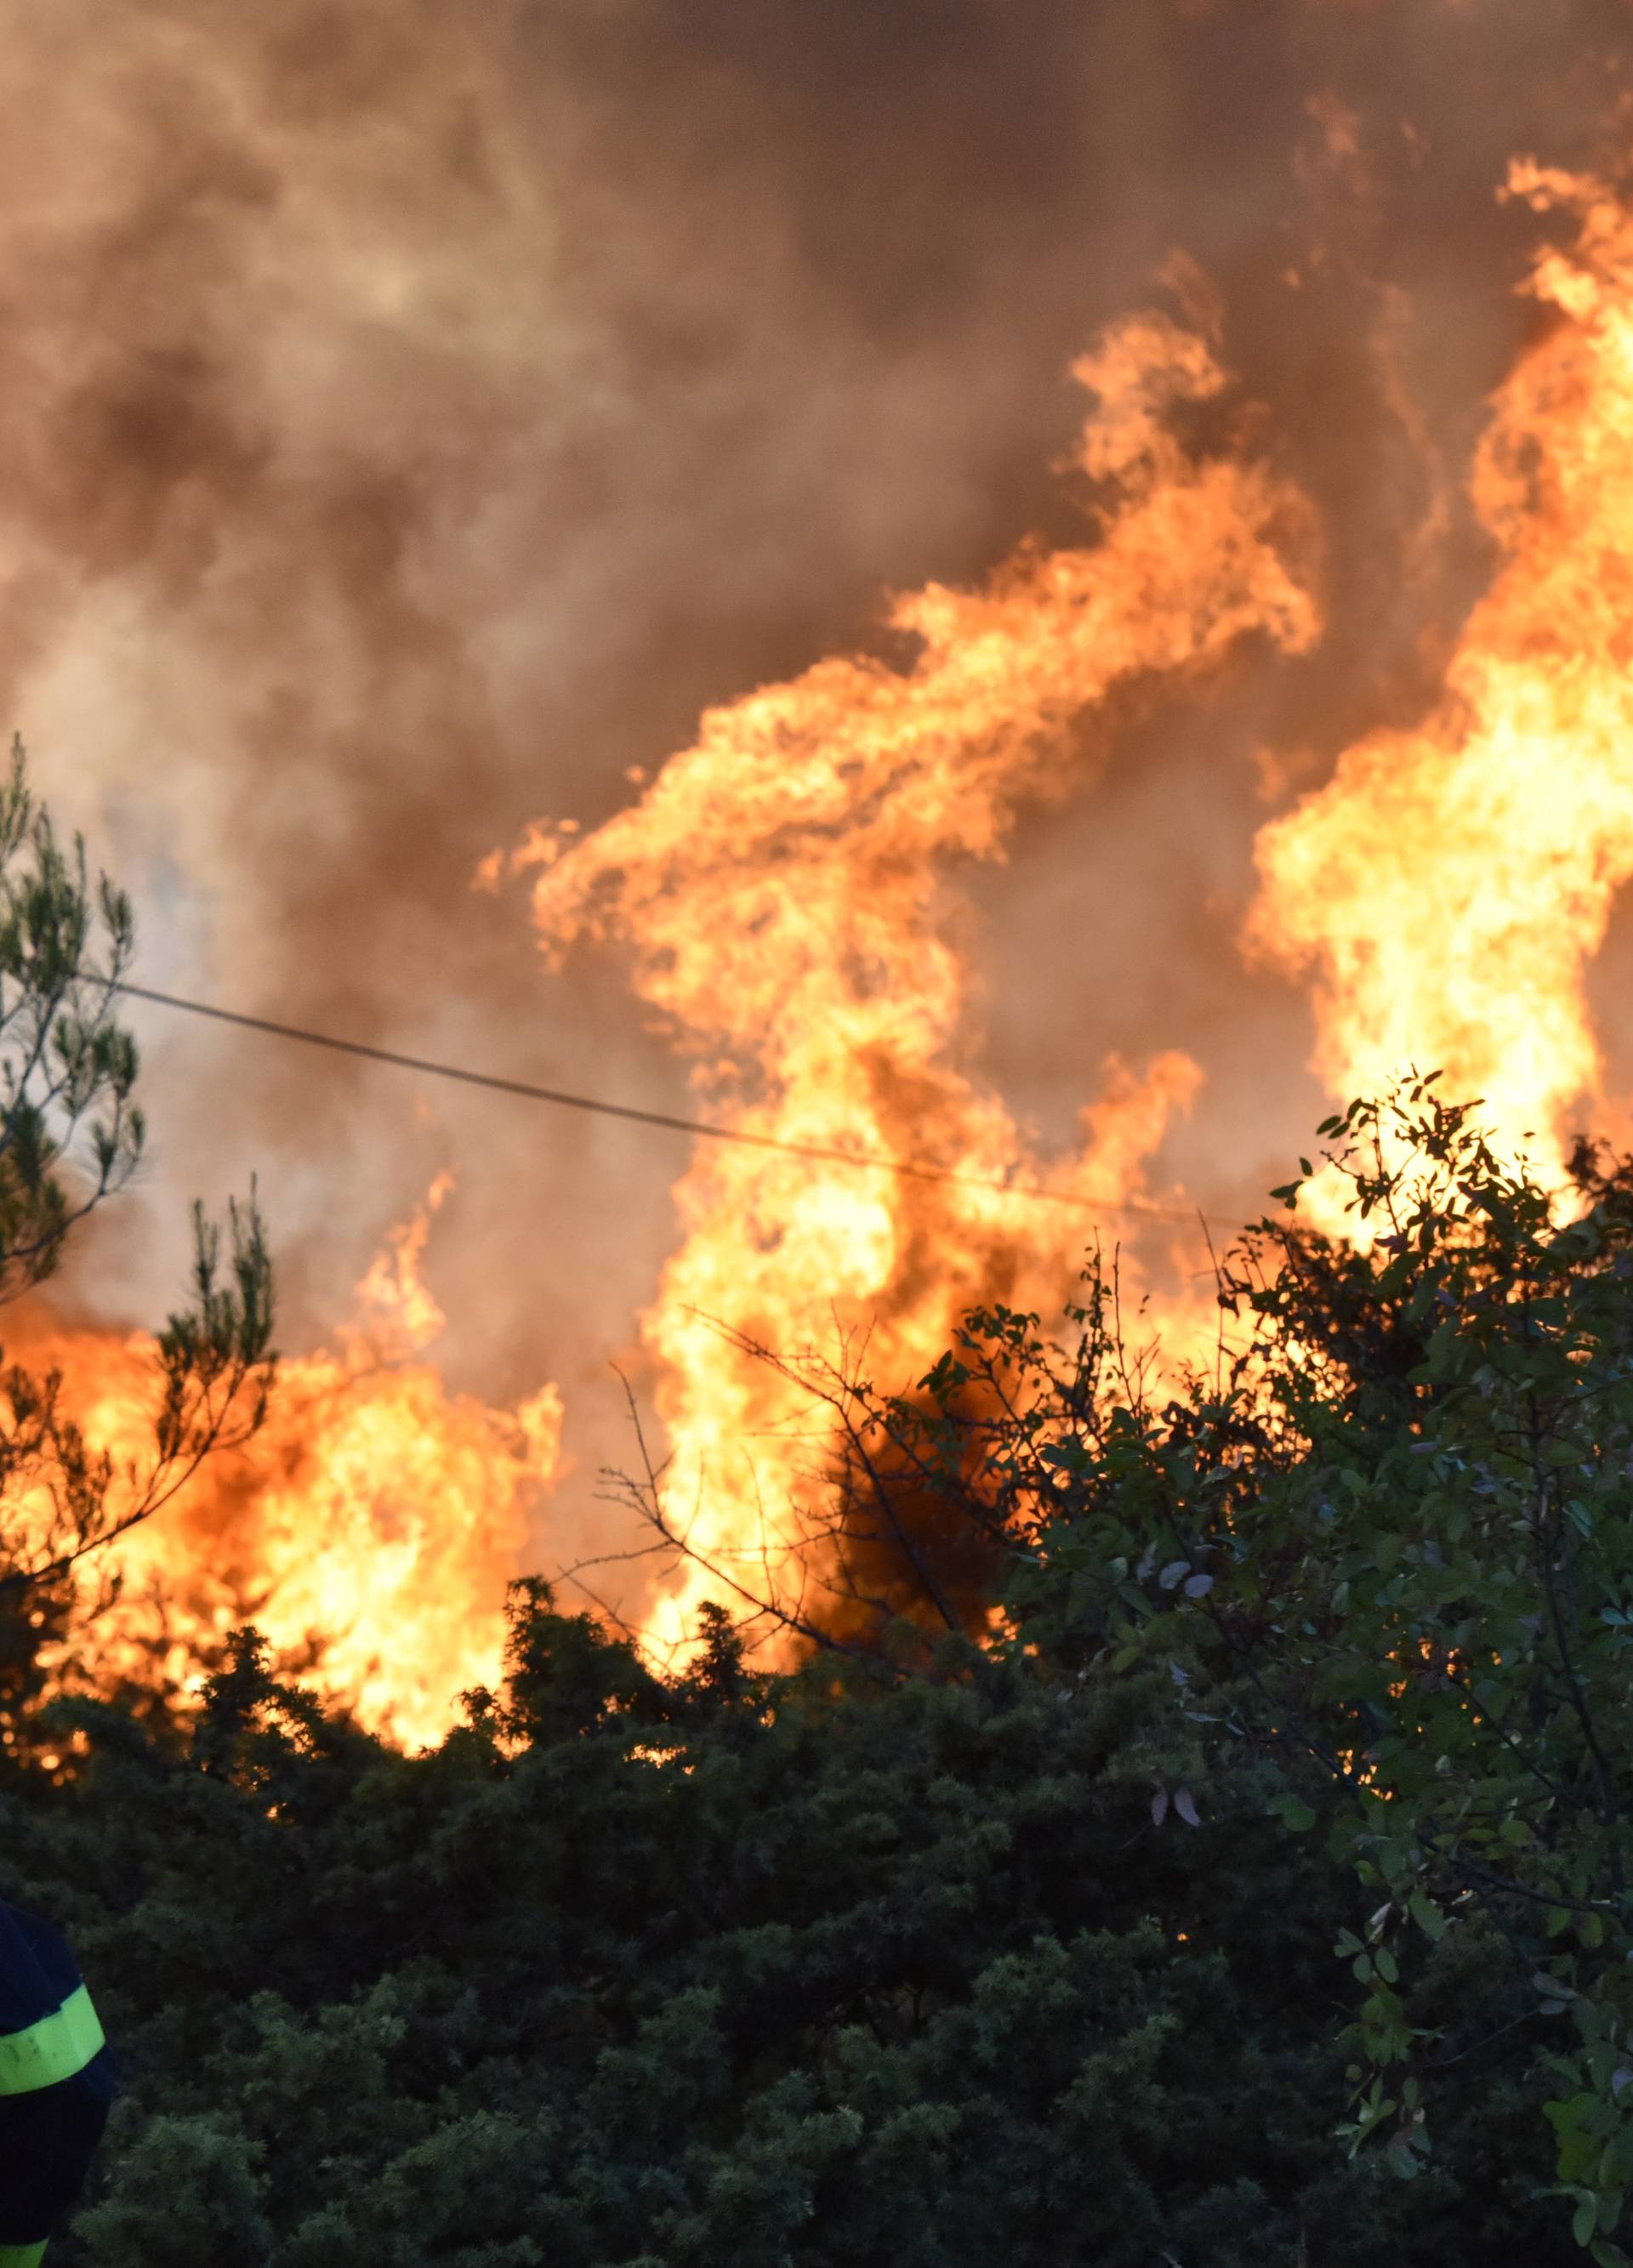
862	1160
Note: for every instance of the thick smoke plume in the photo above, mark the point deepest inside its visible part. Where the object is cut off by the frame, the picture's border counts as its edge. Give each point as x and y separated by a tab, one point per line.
415	418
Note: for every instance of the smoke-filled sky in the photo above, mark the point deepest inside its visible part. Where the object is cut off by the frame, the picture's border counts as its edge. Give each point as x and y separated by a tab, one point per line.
413	418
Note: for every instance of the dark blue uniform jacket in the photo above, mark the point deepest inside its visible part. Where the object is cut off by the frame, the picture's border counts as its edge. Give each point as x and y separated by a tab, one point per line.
48	2133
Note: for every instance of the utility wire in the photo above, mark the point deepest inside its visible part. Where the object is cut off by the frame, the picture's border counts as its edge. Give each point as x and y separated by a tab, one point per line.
907	1168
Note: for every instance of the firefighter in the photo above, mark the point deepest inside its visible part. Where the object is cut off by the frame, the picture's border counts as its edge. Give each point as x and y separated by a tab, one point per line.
57	2081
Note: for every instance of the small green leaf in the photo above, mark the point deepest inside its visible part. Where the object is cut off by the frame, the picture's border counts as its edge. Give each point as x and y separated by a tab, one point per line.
1427	1915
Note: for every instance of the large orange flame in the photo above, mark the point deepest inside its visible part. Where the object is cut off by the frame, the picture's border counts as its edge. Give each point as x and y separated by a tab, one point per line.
786	884
1449	886
369	1529
788	887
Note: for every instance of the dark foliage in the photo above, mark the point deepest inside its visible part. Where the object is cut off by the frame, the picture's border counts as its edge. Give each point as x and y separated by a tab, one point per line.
833	1969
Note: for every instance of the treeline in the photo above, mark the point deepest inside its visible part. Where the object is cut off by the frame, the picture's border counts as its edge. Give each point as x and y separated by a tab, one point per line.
1194	1835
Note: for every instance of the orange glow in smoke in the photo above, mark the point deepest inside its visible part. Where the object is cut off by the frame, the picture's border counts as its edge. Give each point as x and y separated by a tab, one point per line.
788	889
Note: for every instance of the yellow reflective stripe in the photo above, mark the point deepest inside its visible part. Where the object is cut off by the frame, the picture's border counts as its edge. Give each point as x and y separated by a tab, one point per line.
22	2255
54	2047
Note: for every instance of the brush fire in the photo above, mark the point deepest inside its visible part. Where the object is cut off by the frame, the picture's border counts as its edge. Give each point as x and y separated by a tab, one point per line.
791	911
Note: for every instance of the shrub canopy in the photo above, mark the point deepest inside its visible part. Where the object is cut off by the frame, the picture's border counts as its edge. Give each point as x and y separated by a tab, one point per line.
1255	1895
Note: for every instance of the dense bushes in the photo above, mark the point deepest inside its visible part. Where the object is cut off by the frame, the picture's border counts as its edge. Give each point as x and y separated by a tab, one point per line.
1387	1538
829	1969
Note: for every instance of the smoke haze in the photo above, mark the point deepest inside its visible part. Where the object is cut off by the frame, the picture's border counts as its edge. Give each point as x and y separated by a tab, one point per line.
411	419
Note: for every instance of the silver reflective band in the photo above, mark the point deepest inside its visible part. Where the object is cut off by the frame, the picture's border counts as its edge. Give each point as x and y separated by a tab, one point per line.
53	2048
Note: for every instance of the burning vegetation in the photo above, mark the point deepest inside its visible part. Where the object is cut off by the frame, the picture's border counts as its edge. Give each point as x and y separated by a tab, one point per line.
791	892
724	1898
